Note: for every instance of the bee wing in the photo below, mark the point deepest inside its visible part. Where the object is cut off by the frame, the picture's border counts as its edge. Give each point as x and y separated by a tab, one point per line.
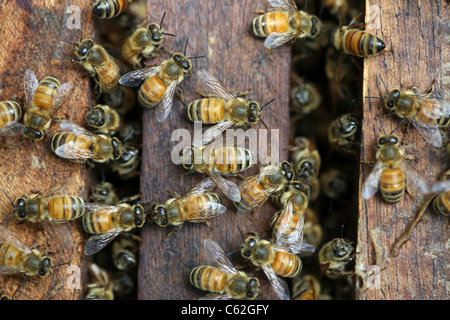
211	83
165	105
70	126
279	285
371	185
414	179
71	151
7	236
63	92
203	186
283	4
434	108
136	77
431	134
207	211
441	186
30	83
229	188
97	242
276	39
285	234
217	296
12	129
215	256
211	133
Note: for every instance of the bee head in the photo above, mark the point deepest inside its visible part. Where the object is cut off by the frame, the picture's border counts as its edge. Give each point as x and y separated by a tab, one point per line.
139	215
95	117
342	249
187	159
159	215
19	208
347	125
301	186
157	35
45	267
253	288
248	245
387	139
35	135
254	112
181	60
287	170
391	99
117	148
315	27
83	47
38	265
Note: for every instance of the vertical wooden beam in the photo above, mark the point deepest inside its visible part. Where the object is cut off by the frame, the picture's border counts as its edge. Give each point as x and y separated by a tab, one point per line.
219	30
418	32
33	33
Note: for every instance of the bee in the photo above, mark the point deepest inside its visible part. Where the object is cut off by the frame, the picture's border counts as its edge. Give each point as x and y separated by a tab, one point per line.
127	166
124	284
15	258
441	202
98	64
353	40
426	113
294	200
223	107
142	43
334	183
124	253
42	100
80	145
305	98
278	257
255	190
197	205
158	83
343	134
283	22
10	114
390	173
103	193
101	287
102	119
105	223
216	162
306	159
334	257
221	278
306	287
312	229
107	9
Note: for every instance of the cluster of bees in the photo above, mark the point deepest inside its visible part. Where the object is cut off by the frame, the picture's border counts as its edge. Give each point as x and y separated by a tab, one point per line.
307	189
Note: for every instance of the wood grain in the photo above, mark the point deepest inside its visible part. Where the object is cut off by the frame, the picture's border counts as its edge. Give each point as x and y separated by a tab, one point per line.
34	32
418	32
219	30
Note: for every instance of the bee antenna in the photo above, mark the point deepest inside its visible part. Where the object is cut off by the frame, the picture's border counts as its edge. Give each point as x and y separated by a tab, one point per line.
342	231
162	19
72	43
231	252
367	97
384	84
169	34
17	145
61	264
399	124
264	124
197	57
185	46
7	218
12	203
267	103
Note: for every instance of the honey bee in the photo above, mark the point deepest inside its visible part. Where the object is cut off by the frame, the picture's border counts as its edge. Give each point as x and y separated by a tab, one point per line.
255	190
307	287
103	193
124	253
441	203
101	287
127	166
305	97
102	119
294	200
306	159
279	257
142	43
283	22
15	258
342	134
98	64
107	222
391	174
197	205
80	145
221	278
312	229
10	114
42	100
353	40
426	113
218	161
158	83
334	183
334	257
107	9
223	107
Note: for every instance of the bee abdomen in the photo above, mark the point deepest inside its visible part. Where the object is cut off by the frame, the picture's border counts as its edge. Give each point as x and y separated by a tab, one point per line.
208	278
9	111
97	223
107	9
9	255
66	208
44	95
362	44
269	22
286	264
206	110
441	204
392	184
151	92
233	160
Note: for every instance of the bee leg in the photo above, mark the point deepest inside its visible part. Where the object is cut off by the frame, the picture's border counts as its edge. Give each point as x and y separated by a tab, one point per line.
409	192
172	232
355	20
207	224
368	163
133	236
180	95
240	176
239	94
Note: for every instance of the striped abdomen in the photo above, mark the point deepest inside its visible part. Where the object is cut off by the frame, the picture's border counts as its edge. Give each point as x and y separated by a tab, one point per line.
207	110
46	93
432	112
230	160
11	257
189	210
99	222
392	184
270	22
151	91
361	44
209	279
9	111
108	74
73	144
107	9
298	214
253	193
63	208
441	204
286	264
